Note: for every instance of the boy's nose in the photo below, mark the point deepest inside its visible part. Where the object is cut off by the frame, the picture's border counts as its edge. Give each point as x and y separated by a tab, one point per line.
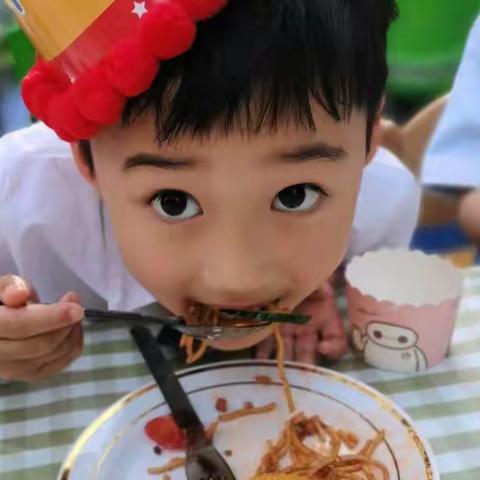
237	275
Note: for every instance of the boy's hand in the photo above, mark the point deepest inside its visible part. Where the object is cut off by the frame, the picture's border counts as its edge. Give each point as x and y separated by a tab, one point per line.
323	335
36	341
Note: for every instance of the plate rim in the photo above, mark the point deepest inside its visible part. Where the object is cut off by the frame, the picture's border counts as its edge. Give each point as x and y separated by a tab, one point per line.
422	443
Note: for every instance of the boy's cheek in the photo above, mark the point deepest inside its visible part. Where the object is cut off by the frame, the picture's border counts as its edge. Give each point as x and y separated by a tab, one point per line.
243	343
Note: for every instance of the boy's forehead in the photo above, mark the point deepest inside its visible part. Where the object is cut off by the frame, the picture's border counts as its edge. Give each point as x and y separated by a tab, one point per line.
140	136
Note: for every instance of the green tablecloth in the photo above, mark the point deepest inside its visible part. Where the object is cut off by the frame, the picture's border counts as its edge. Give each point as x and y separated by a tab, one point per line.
39	423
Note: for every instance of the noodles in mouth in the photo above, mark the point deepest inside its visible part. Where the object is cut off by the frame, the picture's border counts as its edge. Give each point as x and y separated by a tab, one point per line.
198	314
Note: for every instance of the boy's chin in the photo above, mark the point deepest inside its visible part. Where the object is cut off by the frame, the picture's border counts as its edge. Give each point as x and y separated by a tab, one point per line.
242	343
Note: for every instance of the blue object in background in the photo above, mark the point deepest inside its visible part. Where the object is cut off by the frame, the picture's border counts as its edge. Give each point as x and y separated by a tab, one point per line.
441	239
13	114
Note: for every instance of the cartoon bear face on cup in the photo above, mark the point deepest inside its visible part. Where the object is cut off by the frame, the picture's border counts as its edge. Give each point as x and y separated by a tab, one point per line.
391	336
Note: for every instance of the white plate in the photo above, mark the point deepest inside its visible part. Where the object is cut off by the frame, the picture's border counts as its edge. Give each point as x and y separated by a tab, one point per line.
115	445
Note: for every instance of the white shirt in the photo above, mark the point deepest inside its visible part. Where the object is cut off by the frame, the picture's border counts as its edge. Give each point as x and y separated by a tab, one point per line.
53	234
453	157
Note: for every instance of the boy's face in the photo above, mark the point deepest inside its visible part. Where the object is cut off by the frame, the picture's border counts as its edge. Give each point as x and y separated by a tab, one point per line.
238	221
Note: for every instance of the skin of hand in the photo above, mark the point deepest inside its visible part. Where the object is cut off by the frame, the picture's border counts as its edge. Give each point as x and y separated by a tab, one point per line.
324	335
391	137
469	215
36	341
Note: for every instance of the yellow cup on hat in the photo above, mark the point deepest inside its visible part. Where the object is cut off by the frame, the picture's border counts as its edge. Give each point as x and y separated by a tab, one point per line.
76	34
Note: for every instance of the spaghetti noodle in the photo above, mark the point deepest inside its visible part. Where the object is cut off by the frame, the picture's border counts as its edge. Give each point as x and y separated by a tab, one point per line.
172	465
292	458
281	369
198	314
193	356
324	463
246	412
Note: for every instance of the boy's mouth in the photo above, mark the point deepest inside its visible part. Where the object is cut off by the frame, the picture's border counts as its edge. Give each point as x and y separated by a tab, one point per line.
244	316
200	313
252	307
241	307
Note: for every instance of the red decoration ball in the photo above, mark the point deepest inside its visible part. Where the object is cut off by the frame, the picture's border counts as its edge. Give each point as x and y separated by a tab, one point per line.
167	31
41	84
67	119
97	99
63	134
130	68
202	9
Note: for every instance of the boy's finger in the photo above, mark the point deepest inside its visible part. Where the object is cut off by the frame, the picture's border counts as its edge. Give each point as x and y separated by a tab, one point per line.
56	366
59	364
306	348
73	340
15	365
33	347
288	345
70	297
13	372
14	291
265	349
32	320
333	348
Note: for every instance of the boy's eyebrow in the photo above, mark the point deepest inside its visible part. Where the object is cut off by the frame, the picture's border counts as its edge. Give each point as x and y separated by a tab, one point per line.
157	161
316	151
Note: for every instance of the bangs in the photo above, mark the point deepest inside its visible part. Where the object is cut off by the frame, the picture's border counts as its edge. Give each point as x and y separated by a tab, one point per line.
261	63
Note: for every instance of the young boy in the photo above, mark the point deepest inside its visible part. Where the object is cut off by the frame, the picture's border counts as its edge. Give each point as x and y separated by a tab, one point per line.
231	179
452	160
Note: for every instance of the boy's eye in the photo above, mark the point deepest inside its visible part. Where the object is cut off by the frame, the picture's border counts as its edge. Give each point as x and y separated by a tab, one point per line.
298	198
175	205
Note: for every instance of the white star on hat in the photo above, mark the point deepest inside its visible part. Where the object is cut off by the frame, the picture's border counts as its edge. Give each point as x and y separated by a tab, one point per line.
139	9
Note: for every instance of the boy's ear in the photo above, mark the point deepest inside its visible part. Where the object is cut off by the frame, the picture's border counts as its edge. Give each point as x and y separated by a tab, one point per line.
83	164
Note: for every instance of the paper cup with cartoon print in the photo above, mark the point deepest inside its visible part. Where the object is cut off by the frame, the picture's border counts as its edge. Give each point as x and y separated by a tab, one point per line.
402	307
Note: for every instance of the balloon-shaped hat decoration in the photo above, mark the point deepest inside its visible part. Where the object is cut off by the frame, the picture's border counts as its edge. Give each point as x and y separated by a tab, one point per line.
95	54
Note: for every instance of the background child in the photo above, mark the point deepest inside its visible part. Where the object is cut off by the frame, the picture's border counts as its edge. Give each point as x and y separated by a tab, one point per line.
453	158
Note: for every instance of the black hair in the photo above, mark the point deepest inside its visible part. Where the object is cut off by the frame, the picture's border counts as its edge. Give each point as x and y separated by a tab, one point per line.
259	63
